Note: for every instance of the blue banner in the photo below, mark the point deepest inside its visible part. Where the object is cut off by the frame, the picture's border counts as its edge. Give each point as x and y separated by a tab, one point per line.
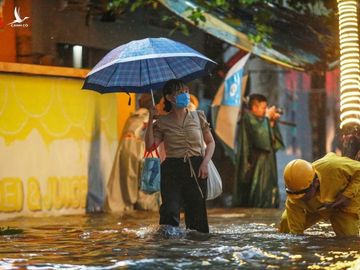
232	90
233	83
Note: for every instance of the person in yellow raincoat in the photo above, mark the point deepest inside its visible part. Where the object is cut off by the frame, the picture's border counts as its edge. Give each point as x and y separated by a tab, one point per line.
328	188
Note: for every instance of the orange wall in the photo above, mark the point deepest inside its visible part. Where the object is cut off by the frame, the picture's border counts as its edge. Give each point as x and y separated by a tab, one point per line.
7	34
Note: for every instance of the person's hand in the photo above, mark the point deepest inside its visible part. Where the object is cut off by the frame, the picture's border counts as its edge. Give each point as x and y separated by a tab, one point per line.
153	112
203	170
272	114
341	201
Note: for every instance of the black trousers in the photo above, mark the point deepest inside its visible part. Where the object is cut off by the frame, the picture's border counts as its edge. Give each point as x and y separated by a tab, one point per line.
177	188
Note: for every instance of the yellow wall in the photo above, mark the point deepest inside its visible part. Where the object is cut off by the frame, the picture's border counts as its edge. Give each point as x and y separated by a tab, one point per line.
48	129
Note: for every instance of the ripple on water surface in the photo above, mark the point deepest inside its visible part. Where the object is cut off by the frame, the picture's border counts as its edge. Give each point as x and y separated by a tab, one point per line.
239	238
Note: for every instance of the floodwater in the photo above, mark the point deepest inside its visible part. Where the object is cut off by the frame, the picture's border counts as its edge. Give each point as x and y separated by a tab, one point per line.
239	239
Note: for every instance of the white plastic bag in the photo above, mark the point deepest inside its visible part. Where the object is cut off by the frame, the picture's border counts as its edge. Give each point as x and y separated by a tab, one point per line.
214	183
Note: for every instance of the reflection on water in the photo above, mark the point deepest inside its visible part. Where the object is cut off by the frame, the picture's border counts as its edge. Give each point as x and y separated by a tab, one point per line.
239	238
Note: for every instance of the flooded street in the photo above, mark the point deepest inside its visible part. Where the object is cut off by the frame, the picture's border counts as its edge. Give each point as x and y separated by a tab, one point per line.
239	239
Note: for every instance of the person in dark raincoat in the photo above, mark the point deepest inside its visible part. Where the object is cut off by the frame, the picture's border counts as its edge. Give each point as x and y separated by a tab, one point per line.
256	180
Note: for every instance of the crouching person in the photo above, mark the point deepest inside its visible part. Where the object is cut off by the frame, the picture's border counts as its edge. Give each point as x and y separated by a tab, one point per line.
327	189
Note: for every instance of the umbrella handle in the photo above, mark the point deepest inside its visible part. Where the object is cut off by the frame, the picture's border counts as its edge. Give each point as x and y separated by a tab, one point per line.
152	97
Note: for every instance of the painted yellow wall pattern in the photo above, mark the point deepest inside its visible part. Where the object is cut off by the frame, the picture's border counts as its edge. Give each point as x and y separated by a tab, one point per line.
56	107
48	129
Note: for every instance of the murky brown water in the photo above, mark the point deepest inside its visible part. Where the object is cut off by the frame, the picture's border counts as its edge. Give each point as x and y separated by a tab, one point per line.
239	239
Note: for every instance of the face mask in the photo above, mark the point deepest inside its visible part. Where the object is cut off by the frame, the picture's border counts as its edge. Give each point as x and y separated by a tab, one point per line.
182	100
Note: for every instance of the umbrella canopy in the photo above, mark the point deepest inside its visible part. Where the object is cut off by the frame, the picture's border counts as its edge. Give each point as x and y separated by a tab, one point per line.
147	64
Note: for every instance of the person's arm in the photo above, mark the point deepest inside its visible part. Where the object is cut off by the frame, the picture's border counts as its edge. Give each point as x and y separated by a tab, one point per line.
209	151
278	142
296	217
272	115
210	145
352	189
150	140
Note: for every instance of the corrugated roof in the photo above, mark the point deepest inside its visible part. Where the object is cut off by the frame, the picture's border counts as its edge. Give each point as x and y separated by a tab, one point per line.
298	41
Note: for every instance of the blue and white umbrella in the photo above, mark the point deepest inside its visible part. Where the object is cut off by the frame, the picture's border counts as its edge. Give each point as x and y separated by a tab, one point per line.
144	65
